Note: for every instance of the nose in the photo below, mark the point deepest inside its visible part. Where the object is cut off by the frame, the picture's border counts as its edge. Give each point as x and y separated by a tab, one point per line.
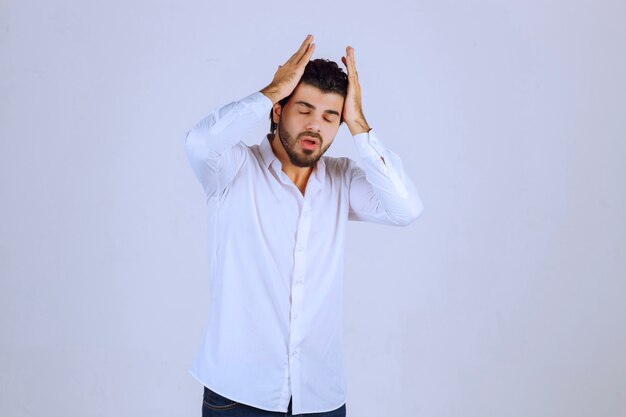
313	124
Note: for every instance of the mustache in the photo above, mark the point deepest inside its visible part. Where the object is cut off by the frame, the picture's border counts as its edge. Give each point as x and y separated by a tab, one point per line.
311	134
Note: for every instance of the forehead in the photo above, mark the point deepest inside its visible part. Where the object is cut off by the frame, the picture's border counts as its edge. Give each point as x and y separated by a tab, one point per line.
313	95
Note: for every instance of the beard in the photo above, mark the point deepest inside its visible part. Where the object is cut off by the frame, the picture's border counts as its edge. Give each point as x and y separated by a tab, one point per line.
302	158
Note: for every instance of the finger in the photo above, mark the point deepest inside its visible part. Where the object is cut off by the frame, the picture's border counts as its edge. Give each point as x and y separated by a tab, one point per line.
303	48
350	58
305	44
350	55
350	71
307	56
347	60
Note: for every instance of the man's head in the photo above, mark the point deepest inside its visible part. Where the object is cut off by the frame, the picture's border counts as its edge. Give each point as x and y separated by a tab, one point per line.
312	111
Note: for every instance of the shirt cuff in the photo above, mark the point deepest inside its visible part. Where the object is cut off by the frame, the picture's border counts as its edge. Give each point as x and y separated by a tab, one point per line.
368	144
259	103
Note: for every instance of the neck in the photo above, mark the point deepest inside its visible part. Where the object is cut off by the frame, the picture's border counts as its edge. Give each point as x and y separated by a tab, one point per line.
298	175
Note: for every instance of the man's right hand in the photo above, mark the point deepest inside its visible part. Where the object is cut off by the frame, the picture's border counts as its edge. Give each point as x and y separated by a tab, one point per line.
288	75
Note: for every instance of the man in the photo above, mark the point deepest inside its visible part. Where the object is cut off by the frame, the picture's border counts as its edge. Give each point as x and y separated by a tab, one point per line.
277	216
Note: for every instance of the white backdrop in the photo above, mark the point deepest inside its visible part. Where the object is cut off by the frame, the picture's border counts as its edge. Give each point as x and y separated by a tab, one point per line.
506	298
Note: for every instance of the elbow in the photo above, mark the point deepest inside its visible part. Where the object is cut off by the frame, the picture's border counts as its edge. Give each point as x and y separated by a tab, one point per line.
194	138
413	212
199	146
190	141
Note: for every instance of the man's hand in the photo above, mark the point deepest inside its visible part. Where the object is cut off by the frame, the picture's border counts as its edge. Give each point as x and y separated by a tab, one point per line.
352	111
288	75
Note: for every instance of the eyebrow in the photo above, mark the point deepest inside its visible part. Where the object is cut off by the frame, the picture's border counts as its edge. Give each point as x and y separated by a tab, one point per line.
312	107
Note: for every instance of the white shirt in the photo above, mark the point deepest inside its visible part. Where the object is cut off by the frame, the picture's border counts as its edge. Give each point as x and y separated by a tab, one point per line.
276	259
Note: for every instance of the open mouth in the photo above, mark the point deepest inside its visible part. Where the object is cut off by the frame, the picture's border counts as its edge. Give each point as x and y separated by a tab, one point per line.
308	142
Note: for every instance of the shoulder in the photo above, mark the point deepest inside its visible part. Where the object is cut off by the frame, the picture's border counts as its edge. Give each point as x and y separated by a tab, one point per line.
343	165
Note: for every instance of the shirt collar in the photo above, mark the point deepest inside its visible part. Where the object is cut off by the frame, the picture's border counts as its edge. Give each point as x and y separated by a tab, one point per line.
266	151
319	171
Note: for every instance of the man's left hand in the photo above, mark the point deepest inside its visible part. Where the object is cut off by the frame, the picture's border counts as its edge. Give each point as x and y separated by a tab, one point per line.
352	111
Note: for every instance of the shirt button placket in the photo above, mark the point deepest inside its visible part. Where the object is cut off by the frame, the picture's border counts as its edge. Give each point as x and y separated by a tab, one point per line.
297	293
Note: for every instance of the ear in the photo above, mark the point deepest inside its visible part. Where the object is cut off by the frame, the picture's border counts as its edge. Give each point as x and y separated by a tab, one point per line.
276	112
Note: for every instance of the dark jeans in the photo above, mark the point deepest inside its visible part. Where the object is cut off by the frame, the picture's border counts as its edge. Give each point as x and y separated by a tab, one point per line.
214	405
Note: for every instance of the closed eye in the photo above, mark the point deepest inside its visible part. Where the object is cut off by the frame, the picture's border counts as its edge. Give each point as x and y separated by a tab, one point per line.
308	112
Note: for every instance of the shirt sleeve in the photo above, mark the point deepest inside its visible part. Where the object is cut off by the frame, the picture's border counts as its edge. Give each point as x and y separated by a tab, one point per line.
213	146
380	191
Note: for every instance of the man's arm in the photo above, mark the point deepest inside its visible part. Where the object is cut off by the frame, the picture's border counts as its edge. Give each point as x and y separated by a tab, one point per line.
380	191
214	148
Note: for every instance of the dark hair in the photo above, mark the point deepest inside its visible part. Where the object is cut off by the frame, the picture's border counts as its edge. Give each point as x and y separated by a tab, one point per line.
323	74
